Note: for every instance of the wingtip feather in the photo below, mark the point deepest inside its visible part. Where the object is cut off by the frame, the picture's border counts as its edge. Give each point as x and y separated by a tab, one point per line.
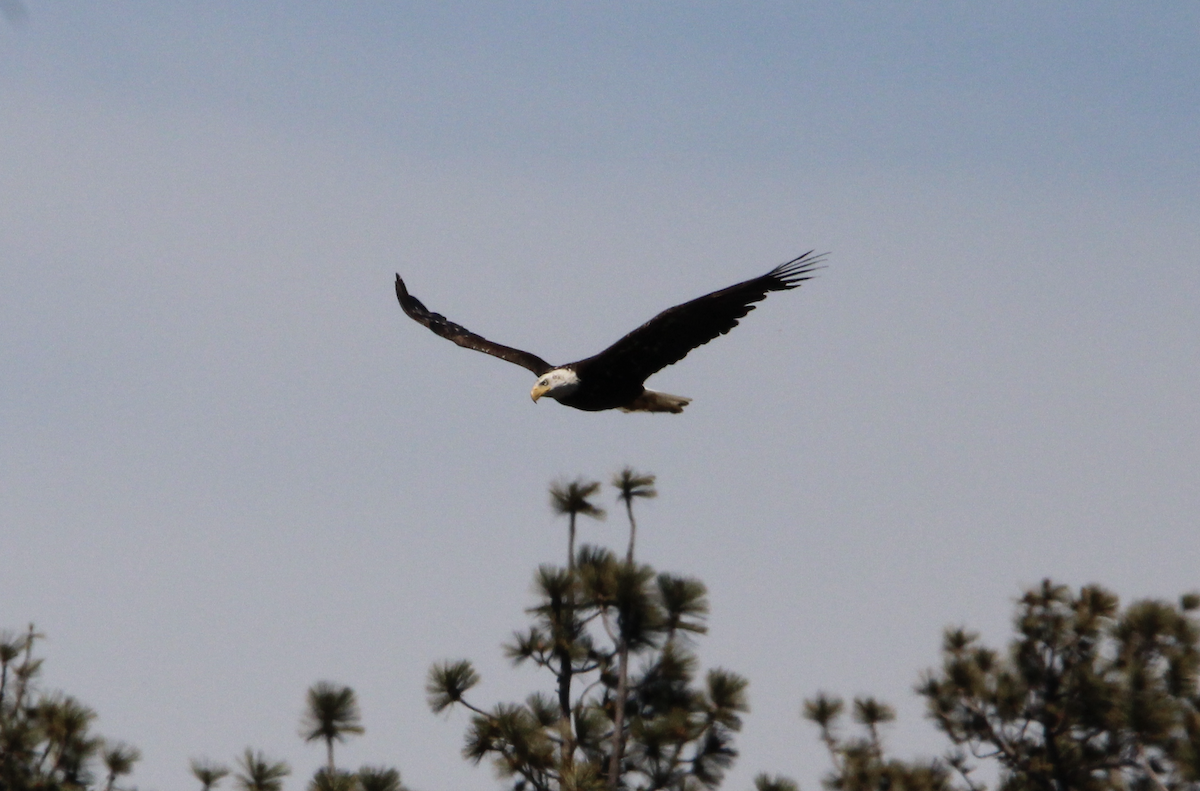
791	274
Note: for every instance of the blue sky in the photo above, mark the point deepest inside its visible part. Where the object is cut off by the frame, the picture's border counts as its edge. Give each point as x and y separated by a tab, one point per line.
230	467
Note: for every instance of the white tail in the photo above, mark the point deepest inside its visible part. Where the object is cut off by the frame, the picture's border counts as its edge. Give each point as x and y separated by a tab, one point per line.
654	401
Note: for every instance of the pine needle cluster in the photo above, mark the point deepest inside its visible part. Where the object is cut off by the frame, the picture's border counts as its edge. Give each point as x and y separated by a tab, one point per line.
1087	698
603	724
331	715
46	739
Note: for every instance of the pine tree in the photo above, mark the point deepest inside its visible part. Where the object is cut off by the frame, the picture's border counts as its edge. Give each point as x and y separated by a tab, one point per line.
630	485
379	778
119	759
571	500
1087	698
680	730
46	738
208	773
331	713
259	773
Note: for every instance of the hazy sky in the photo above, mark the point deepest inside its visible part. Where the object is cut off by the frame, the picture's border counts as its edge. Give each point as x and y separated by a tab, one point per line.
230	466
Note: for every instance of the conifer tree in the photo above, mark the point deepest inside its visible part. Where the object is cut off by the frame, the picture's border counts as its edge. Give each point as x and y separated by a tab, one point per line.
208	773
325	780
379	778
630	485
571	500
680	729
330	715
259	773
118	760
46	738
1088	697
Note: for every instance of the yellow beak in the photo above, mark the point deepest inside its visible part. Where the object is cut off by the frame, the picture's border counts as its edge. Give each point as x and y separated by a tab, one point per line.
537	392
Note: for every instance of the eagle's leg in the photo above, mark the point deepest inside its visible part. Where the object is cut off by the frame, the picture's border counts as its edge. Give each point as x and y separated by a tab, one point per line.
654	401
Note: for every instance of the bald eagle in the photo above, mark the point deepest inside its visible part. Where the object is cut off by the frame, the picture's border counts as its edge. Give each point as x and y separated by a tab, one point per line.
613	379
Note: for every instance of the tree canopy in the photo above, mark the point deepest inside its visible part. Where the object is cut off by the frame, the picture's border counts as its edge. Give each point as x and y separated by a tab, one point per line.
331	714
46	738
1088	697
666	727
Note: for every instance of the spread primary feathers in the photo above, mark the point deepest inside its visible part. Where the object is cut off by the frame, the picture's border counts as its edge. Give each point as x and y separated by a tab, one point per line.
614	378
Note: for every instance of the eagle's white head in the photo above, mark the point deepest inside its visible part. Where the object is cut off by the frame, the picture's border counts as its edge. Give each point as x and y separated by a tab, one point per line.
557	384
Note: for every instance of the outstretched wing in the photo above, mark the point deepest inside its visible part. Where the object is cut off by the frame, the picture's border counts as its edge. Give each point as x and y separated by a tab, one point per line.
463	336
669	336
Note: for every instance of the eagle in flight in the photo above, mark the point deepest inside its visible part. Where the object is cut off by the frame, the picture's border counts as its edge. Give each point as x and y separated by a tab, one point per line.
614	378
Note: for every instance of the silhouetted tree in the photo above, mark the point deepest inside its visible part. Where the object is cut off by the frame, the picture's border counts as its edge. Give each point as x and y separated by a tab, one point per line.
630	485
571	499
46	741
764	782
680	732
119	759
258	773
325	780
1087	698
379	778
859	763
208	773
331	713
